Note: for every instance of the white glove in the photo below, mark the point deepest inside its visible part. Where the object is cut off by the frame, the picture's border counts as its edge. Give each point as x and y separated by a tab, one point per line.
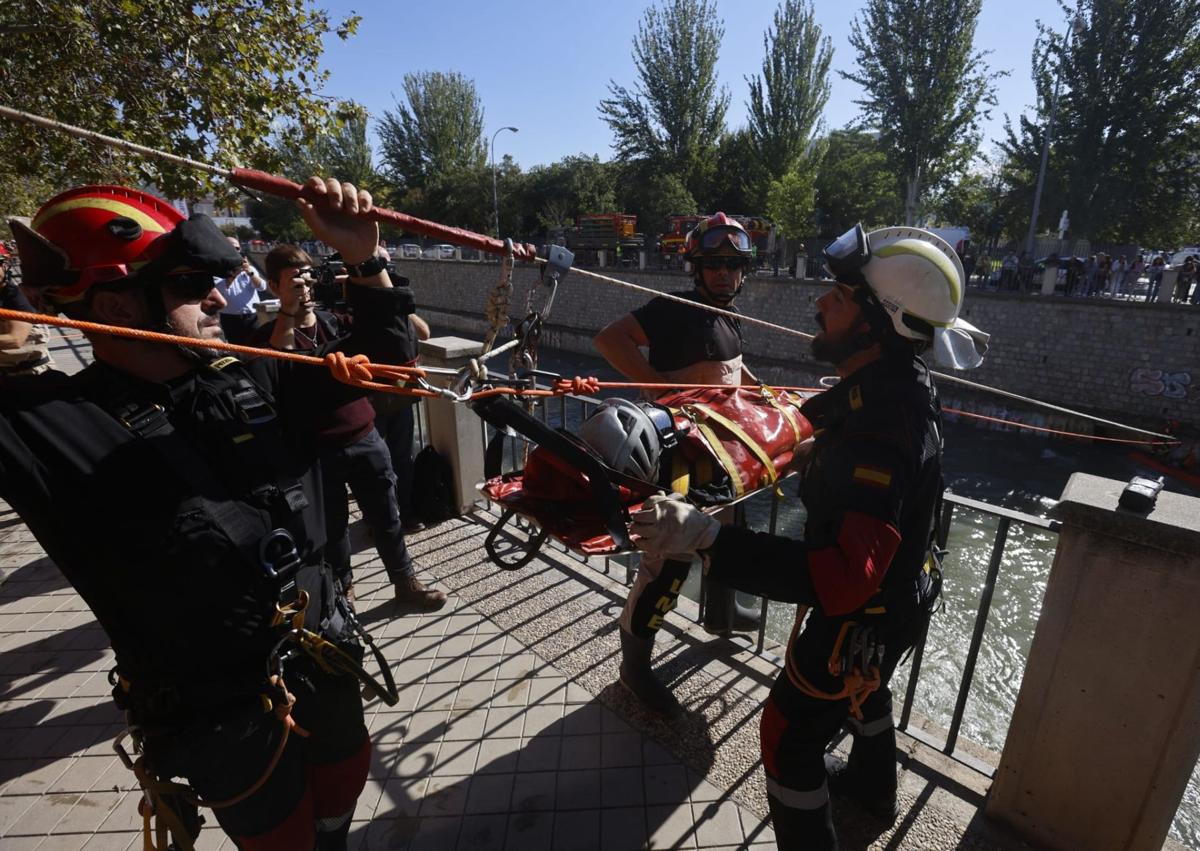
668	525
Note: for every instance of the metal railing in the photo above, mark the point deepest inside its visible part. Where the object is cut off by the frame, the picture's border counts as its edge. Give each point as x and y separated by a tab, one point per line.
568	411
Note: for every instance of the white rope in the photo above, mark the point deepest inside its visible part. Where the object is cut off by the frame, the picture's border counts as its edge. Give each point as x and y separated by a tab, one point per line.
940	375
93	136
752	320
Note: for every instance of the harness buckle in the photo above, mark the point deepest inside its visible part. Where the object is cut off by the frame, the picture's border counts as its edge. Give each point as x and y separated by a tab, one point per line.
252	407
143	420
278	556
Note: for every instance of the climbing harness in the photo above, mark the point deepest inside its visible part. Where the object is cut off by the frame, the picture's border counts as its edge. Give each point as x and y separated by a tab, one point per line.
858	681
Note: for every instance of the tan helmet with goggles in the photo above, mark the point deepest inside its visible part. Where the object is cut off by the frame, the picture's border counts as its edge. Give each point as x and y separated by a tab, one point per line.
718	235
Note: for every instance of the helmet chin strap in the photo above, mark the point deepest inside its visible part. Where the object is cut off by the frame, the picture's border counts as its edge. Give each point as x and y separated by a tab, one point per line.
718	298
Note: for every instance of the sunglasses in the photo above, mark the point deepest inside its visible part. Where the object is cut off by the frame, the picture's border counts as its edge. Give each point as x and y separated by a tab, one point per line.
716	237
730	263
191	287
307	273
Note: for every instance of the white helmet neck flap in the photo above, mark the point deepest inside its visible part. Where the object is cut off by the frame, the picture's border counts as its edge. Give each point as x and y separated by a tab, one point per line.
918	279
625	437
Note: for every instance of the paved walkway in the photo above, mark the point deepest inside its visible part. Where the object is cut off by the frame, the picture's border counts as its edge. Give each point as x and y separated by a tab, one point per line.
489	747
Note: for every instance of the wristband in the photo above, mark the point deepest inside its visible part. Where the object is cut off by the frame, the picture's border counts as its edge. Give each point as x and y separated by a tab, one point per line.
370	267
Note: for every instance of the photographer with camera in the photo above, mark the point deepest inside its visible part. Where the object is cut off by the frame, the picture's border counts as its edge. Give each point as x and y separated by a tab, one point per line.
241	291
351	450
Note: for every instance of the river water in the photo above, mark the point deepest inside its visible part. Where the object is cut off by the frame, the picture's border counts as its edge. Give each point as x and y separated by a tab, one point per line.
1023	471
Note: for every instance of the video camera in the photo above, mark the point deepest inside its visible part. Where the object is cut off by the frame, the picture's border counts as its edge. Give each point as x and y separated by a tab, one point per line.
328	290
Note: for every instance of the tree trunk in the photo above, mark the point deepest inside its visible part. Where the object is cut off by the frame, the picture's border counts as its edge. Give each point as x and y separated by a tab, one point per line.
910	199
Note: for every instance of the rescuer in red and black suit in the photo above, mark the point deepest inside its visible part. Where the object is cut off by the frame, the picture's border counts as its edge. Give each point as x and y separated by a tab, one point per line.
864	571
688	346
174	492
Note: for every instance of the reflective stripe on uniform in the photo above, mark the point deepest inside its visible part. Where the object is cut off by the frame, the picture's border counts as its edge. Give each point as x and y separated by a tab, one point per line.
798	799
871	728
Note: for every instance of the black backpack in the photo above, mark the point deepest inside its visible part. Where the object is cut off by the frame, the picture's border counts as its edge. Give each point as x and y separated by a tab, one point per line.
432	487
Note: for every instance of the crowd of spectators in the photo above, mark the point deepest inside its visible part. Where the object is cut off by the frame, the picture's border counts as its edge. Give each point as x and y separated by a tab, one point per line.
1131	277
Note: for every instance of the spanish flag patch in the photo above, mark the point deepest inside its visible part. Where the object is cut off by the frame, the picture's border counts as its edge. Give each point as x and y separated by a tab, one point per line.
872	476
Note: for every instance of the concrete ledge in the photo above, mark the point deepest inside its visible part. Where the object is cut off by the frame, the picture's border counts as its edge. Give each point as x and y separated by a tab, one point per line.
1090	502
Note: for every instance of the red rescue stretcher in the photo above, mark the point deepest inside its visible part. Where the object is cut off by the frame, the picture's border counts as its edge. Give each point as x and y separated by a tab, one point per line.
729	443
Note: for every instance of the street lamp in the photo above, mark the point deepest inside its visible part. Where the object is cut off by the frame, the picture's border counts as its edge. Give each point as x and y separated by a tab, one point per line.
1075	29
495	196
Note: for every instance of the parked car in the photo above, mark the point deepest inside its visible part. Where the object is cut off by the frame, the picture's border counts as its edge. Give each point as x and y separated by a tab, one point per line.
407	251
1178	258
438	252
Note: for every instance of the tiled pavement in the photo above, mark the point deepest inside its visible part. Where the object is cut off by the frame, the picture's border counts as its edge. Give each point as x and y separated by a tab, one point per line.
489	746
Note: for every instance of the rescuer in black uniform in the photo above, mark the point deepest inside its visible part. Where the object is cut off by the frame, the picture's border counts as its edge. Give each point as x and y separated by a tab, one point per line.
170	488
688	346
871	486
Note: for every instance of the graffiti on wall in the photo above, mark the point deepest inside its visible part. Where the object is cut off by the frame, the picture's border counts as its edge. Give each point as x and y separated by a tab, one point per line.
1159	382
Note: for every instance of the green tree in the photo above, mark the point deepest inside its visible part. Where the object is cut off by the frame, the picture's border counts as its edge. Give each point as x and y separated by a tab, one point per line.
654	197
786	102
975	200
437	131
555	194
729	192
791	199
343	150
926	89
1122	158
855	184
204	79
674	115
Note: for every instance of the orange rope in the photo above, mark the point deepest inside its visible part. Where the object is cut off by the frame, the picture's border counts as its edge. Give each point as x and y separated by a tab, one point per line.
1060	431
358	371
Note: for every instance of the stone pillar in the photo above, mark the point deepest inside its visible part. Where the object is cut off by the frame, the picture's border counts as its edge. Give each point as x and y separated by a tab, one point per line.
454	429
642	259
1166	290
1106	730
801	264
601	257
1049	279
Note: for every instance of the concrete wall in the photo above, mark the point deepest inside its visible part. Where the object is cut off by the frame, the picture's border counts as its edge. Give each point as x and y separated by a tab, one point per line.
1106	729
1125	360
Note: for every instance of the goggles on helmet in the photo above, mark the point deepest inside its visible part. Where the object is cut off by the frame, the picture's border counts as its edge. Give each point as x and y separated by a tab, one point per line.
715	238
847	255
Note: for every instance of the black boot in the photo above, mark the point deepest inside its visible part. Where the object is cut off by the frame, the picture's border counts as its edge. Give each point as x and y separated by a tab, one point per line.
640	680
869	778
723	614
802	830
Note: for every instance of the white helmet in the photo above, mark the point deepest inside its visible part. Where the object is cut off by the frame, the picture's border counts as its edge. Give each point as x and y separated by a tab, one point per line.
625	437
918	279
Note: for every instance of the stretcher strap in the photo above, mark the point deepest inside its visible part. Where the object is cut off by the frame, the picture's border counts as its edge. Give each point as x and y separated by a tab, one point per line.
681	477
722	455
746	440
788	411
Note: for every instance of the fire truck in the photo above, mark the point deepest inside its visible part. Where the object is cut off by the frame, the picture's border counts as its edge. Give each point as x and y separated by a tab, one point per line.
670	243
762	234
612	232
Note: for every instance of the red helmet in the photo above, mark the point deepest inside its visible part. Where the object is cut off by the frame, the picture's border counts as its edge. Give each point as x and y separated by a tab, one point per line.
718	234
97	234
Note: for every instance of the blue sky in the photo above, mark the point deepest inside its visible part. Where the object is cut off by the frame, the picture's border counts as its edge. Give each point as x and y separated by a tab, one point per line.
543	67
